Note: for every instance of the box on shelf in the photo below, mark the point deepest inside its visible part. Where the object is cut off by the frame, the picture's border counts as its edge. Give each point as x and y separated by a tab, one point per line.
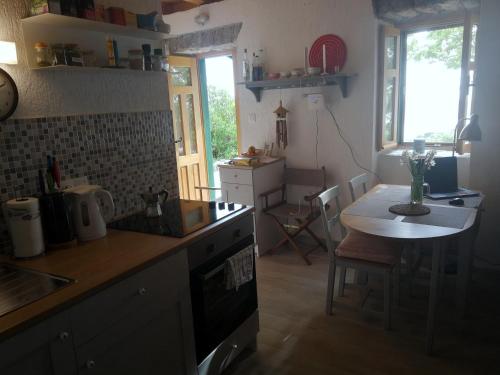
86	9
45	6
101	13
117	16
130	19
147	21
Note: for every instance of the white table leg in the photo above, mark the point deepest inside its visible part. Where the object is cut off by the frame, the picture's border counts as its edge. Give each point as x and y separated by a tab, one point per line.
465	251
433	294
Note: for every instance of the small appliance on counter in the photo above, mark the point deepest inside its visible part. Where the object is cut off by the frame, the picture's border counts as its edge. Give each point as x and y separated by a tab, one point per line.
92	207
25	226
56	219
152	200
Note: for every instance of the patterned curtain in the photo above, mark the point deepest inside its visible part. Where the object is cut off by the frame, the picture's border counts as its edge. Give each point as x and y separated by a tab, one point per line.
401	11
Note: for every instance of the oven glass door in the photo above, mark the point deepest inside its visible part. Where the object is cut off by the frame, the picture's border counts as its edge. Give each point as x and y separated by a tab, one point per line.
217	312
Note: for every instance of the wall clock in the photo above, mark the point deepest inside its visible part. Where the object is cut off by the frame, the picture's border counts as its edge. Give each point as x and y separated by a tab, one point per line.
9	96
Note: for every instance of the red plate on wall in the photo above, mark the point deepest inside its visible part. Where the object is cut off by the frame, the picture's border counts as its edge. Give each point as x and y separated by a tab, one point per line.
336	53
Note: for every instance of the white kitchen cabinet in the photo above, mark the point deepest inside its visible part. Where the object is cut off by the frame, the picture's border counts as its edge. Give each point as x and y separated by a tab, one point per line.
244	185
142	324
44	349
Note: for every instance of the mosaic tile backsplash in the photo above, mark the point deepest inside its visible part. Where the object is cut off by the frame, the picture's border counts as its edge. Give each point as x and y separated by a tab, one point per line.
125	153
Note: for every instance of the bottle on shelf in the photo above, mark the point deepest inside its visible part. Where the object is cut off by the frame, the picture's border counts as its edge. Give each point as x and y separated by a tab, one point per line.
110	51
257	72
262	57
246	66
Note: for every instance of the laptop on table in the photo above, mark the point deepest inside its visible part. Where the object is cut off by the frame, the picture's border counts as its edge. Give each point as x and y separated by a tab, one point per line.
443	180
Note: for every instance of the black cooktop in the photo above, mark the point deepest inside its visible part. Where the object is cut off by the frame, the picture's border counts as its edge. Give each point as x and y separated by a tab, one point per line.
179	217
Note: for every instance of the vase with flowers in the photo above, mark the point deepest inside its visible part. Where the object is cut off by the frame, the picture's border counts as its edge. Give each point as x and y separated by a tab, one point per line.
417	165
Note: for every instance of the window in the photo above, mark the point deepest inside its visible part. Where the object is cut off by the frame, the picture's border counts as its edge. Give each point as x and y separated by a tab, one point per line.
389	87
425	82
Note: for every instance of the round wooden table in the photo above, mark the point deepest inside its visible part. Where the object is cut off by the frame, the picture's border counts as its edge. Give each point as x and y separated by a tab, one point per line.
370	214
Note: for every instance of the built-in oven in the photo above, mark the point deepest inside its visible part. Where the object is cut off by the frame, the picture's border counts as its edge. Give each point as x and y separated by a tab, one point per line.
217	311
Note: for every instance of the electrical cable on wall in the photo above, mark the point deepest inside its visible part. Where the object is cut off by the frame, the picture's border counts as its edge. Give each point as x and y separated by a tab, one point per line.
317	139
339	130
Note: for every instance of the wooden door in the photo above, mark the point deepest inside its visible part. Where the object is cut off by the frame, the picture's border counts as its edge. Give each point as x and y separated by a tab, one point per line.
184	92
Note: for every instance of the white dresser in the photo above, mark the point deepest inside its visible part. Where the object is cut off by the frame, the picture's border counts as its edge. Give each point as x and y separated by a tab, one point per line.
244	185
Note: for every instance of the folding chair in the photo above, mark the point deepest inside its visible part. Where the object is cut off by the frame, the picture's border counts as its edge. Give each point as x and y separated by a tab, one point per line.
293	219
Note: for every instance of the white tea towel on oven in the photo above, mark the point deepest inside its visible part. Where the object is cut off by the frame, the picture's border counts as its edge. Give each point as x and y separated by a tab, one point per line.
239	268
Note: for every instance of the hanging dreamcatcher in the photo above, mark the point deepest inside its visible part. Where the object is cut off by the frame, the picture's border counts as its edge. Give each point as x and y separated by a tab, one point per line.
281	130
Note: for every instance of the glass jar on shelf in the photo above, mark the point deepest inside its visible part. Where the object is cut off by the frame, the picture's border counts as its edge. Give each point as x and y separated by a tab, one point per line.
136	59
73	54
157	60
59	55
42	55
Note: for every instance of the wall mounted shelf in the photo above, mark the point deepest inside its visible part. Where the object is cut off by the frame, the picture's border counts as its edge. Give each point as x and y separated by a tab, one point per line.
339	79
57	20
69	68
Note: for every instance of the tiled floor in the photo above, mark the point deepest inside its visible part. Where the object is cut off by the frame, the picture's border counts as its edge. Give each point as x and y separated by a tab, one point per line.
296	337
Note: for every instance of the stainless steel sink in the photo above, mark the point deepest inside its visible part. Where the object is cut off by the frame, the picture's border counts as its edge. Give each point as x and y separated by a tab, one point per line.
20	286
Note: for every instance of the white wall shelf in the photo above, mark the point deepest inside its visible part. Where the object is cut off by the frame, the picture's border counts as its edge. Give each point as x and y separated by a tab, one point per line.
58	20
69	68
340	79
88	35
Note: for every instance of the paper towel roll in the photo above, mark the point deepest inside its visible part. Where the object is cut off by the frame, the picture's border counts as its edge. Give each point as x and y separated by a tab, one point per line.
25	226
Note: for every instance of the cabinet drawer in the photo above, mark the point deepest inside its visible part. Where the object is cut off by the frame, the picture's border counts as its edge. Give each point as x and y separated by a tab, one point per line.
45	348
149	287
210	246
237	193
236	176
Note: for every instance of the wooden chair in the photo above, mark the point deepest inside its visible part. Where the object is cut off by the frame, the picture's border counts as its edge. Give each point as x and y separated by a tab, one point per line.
293	219
356	182
358	251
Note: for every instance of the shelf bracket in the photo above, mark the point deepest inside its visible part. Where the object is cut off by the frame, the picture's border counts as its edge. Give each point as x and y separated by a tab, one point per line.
342	81
257	92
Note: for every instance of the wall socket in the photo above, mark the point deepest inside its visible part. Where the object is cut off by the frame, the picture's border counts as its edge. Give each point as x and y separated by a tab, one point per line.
315	102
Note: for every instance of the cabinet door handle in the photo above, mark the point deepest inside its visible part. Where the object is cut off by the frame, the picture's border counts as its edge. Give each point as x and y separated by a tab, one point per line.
210	248
236	187
235	176
63	336
142	291
90	364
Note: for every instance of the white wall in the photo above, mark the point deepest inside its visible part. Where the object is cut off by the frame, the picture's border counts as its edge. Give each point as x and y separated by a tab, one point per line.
45	93
485	172
283	28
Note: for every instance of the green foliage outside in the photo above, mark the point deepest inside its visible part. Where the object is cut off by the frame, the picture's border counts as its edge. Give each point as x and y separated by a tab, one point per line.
439	46
443	45
222	124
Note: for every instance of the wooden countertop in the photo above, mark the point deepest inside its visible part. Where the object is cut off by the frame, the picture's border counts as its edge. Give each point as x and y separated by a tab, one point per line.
95	265
251	167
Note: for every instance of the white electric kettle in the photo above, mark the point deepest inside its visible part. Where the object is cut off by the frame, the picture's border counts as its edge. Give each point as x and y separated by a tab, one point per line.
92	207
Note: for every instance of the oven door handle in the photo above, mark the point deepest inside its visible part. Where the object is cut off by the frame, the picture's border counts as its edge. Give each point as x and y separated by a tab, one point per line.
213	272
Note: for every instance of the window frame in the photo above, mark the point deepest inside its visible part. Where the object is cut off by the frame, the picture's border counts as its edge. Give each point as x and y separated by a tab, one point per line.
467	20
382	75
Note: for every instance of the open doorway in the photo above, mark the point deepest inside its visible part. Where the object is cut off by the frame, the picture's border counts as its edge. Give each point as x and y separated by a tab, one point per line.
219	105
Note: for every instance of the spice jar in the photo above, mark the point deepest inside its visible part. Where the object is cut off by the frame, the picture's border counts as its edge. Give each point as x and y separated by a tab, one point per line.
89	58
157	60
146	48
136	59
42	54
73	55
59	55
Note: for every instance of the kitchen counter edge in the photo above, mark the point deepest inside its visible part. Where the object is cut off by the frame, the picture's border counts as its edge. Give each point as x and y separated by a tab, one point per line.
96	265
